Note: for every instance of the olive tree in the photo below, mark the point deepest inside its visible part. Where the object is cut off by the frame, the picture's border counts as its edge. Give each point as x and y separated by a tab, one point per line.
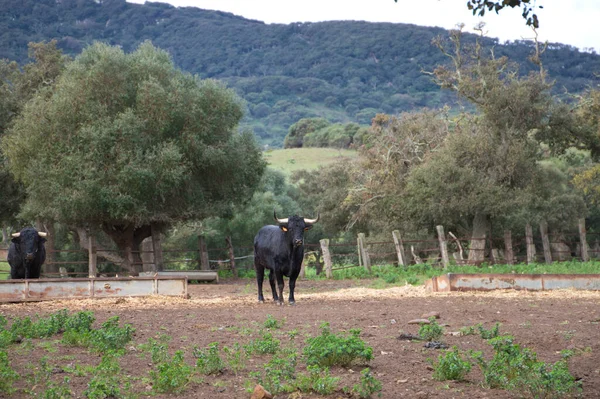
127	143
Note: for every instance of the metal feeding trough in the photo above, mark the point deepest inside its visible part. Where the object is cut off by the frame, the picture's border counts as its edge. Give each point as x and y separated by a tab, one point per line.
532	282
77	288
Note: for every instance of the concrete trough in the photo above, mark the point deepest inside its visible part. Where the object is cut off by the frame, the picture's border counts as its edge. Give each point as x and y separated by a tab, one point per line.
198	275
532	282
82	288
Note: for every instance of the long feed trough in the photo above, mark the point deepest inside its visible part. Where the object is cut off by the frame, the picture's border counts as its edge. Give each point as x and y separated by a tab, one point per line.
533	282
74	288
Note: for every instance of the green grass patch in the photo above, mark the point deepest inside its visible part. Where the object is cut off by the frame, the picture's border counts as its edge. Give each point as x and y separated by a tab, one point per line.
293	159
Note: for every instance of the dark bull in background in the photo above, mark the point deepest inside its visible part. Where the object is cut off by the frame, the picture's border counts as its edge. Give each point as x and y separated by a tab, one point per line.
281	250
27	253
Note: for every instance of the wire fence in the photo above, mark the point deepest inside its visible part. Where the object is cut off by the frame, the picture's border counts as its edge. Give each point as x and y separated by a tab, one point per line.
562	246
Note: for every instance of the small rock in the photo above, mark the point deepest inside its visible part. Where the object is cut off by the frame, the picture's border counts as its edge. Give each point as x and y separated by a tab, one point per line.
393	321
419	321
431	314
421	395
402	381
260	393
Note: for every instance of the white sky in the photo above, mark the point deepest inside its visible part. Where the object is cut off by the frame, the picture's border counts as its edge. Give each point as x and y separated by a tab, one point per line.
574	22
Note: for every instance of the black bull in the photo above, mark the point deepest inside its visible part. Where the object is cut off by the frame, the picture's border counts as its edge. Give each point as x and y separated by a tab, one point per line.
26	254
281	250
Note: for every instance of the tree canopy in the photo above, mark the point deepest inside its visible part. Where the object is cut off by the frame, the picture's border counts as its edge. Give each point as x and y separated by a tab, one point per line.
127	141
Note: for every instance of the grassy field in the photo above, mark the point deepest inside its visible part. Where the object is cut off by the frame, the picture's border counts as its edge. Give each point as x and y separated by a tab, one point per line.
290	160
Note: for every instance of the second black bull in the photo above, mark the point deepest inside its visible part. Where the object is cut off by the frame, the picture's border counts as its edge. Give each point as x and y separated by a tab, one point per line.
26	253
281	250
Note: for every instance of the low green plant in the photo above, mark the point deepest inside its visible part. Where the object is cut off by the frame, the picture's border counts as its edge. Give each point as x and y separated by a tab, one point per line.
266	344
329	349
236	358
8	376
272	323
317	380
209	360
431	331
489	334
515	368
367	386
158	348
279	373
451	366
60	390
171	376
106	379
111	337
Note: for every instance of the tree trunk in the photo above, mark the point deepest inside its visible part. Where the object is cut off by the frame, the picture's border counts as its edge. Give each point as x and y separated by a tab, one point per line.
481	226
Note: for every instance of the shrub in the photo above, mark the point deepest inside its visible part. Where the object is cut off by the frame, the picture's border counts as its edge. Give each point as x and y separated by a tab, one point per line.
431	331
317	380
110	336
368	385
158	348
272	323
171	376
7	375
236	358
489	334
451	366
209	361
516	368
330	349
267	344
106	382
279	372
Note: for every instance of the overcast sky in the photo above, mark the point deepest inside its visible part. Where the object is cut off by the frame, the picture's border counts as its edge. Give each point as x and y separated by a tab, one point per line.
574	22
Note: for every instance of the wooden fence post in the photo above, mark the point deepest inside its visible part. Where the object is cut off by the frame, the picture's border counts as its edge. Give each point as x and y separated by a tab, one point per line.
326	257
92	257
399	248
583	240
203	258
231	255
363	252
508	248
545	242
530	245
443	246
157	249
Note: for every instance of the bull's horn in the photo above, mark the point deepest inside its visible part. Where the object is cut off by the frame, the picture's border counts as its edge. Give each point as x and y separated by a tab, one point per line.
280	221
42	234
312	221
15	234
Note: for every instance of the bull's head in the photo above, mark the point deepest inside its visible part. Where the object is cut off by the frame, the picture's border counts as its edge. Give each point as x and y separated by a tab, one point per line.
295	226
28	242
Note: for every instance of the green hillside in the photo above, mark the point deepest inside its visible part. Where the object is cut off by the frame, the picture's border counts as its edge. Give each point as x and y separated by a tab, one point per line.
345	71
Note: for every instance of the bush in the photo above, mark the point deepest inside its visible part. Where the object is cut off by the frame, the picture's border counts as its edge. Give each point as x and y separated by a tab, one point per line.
7	375
264	345
318	380
209	361
516	368
451	366
368	385
431	331
330	349
171	376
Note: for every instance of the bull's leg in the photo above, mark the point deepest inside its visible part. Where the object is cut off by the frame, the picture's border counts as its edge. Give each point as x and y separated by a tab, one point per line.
293	278
279	277
272	282
260	276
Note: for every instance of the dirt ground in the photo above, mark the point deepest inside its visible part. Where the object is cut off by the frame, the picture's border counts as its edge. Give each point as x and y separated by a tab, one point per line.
545	322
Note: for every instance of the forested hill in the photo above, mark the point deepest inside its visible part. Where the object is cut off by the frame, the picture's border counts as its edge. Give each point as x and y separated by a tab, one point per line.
344	71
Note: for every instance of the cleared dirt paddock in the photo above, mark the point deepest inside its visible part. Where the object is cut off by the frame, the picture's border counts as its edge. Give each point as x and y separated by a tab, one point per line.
546	322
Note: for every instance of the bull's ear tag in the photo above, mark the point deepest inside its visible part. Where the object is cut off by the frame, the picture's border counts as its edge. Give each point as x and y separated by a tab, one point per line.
307	228
284	228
